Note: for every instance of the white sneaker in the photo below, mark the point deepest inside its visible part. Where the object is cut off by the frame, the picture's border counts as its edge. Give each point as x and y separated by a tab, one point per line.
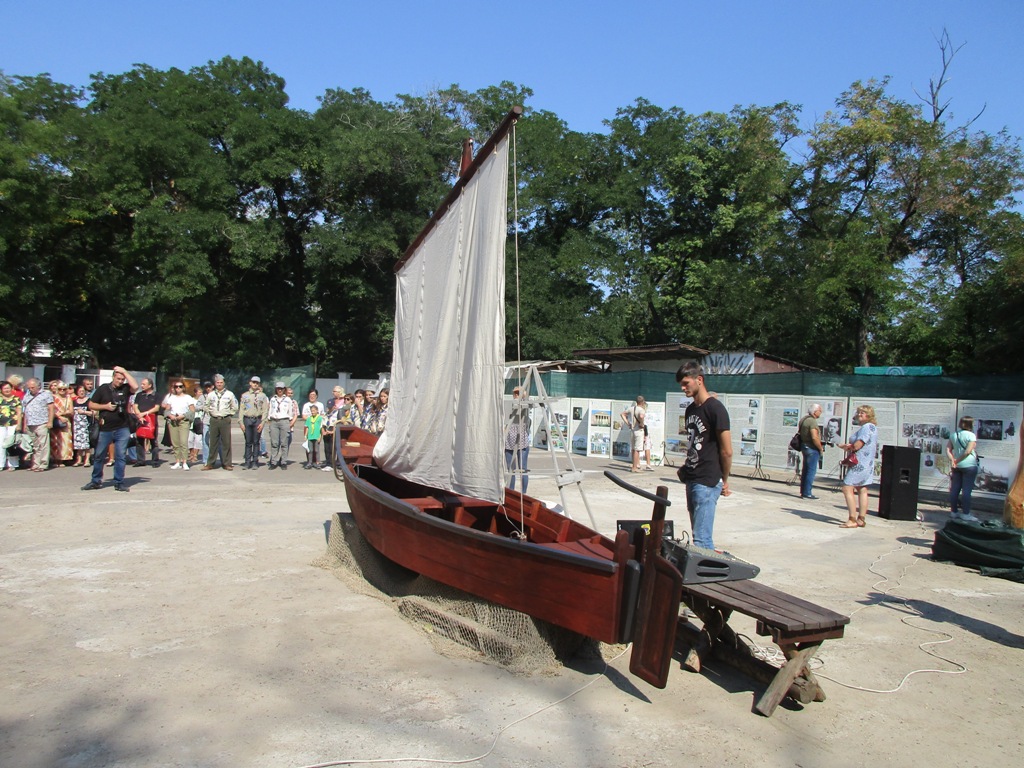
175	465
185	467
969	518
955	516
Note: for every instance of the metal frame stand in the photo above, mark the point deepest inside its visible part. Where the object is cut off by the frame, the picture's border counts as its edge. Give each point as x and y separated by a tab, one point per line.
563	478
795	477
758	472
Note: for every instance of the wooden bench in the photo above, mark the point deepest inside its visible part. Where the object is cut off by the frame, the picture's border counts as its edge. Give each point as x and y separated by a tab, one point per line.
796	626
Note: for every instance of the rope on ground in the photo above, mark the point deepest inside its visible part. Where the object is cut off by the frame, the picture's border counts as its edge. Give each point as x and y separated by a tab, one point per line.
775	656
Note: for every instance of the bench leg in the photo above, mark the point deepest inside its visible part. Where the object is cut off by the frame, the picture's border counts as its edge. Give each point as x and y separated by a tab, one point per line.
796	665
714	621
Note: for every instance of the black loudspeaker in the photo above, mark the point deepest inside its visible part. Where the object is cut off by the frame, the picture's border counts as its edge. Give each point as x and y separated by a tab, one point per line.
901	473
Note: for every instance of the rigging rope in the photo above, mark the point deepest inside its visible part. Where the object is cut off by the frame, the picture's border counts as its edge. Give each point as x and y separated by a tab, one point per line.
515	240
516	468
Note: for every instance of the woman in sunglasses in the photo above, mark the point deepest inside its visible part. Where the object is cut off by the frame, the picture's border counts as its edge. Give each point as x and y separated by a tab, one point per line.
179	411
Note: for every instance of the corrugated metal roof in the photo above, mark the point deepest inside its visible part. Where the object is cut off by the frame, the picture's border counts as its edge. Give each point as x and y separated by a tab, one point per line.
673	351
574	366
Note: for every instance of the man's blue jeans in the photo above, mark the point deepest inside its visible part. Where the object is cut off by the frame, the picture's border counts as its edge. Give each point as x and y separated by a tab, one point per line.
253	433
119	438
701	501
961	481
812	457
206	443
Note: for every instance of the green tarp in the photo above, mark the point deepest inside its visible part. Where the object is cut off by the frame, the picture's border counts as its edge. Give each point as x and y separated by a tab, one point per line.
996	549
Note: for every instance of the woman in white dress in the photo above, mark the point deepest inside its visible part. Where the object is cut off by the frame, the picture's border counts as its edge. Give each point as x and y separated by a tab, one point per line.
863	445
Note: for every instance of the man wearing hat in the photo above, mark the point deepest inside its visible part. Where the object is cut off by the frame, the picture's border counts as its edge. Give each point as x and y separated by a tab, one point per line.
281	417
221	406
252	412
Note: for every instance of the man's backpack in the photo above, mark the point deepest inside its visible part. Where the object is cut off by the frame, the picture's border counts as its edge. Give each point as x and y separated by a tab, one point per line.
796	443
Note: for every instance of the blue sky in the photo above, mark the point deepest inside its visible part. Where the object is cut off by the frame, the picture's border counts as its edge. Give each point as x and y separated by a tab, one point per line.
583	60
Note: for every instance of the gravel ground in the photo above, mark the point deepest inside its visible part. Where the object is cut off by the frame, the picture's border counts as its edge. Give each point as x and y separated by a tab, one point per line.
184	624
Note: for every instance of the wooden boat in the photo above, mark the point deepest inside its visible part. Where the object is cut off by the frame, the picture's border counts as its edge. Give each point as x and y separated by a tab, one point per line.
519	553
429	494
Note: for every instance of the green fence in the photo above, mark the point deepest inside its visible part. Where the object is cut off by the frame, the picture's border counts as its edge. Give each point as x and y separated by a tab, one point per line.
626	385
299	378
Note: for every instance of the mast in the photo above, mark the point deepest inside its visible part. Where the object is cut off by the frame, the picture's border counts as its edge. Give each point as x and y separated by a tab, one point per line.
467	156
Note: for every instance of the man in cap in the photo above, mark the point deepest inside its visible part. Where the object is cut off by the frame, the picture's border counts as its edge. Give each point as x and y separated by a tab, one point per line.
281	417
252	412
221	406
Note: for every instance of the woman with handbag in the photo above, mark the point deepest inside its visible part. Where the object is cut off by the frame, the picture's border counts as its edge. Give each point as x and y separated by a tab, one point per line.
81	430
963	460
10	419
860	466
61	445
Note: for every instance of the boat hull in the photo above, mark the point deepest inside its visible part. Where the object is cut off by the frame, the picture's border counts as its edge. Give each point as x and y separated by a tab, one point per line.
579	580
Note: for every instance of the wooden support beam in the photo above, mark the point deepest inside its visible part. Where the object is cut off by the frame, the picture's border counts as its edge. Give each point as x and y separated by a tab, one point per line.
796	664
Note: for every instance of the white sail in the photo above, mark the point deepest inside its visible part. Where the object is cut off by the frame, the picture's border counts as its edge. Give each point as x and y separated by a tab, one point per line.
444	425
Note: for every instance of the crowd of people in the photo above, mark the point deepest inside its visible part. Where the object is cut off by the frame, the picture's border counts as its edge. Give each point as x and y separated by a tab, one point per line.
117	423
74	425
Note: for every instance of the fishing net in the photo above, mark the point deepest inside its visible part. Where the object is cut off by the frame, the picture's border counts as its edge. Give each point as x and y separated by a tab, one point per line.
458	624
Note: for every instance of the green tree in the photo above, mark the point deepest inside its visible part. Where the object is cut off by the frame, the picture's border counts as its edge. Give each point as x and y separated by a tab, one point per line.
564	258
884	190
696	204
40	228
201	173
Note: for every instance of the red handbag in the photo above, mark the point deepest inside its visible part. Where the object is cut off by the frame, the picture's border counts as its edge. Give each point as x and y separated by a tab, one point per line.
147	430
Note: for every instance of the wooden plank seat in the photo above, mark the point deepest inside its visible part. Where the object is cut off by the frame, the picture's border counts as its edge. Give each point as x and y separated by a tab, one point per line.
797	626
425	503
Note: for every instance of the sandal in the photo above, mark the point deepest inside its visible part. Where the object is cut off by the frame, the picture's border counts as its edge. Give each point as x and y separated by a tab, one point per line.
861	522
850	524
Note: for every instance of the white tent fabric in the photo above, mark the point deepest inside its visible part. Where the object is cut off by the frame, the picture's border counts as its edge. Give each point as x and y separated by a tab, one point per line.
444	425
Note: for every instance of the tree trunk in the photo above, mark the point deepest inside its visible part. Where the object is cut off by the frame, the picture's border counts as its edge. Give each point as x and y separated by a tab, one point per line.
866	304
